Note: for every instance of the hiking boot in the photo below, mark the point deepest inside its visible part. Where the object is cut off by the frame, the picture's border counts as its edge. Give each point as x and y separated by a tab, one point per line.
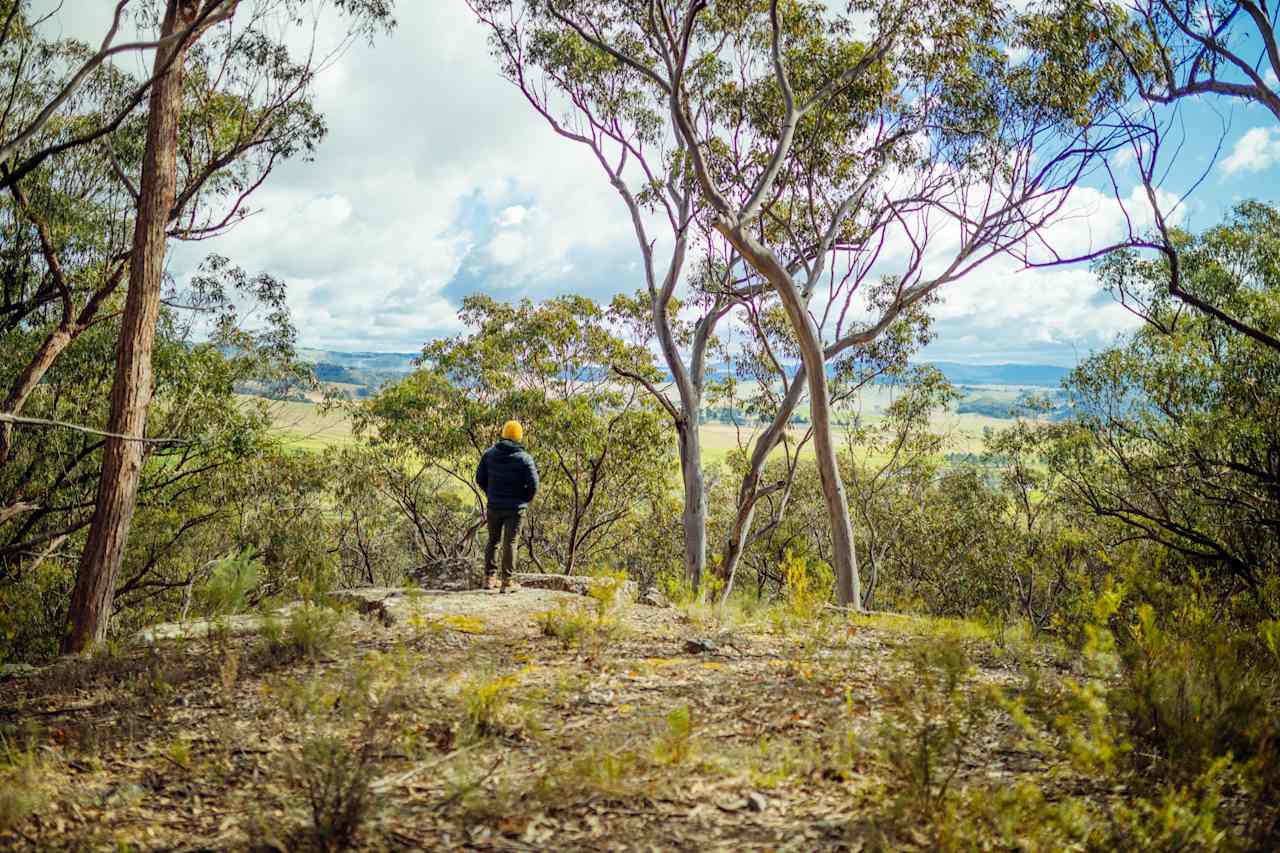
490	582
508	585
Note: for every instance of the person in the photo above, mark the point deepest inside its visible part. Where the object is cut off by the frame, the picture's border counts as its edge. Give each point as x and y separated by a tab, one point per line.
509	479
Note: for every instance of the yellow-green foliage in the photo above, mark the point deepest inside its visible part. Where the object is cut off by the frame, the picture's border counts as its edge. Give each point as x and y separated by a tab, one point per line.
21	792
32	611
424	625
675	744
1015	817
463	624
569	625
309	631
772	762
597	624
934	716
593	771
605	590
1200	690
486	701
230	582
1176	817
807	588
922	625
674	586
179	752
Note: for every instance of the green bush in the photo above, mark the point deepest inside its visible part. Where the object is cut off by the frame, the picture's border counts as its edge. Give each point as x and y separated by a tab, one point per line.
21	793
569	625
1195	695
675	743
807	583
310	631
934	717
334	778
229	584
486	701
576	626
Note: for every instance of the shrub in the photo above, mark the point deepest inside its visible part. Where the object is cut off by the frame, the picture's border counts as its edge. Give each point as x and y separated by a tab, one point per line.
1199	693
567	624
1018	816
1175	817
229	584
807	585
33	611
675	744
935	716
485	704
334	779
310	631
576	626
605	590
610	771
20	791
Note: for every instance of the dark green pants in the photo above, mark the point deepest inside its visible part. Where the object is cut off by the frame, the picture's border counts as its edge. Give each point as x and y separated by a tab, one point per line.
504	526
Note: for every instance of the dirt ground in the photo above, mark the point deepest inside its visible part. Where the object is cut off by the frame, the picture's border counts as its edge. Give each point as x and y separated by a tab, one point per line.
474	727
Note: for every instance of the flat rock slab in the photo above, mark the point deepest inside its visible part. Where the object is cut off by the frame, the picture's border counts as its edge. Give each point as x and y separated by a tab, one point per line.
387	604
244	623
17	670
576	584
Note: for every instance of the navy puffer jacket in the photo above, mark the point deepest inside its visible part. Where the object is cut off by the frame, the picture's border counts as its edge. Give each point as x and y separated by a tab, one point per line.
507	475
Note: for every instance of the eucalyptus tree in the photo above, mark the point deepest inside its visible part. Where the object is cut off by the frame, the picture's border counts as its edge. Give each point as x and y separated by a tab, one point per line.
255	94
892	462
1174	436
205	436
777	392
1173	50
815	138
59	73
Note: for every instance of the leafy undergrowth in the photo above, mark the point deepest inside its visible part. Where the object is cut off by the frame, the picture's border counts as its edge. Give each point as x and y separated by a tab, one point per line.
533	721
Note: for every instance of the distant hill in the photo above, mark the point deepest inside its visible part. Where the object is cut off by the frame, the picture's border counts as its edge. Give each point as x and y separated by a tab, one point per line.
370	370
1045	375
373	369
393	362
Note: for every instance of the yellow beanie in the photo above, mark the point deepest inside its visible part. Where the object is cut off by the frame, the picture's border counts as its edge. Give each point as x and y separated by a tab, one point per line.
513	431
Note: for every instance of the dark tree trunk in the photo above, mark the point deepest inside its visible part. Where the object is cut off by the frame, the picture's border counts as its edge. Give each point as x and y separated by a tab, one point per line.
91	600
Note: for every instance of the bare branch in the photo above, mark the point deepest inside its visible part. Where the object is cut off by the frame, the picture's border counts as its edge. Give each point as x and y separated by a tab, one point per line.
44	422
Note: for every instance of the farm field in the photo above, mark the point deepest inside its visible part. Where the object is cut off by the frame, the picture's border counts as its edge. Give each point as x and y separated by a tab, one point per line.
304	426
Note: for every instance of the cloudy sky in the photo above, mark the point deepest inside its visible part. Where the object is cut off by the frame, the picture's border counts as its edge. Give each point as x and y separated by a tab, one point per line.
437	180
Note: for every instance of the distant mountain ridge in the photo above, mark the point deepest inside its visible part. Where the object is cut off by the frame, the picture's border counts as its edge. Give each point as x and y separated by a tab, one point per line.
1044	375
382	366
401	362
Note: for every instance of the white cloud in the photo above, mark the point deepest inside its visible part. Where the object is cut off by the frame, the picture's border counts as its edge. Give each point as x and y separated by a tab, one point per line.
513	215
1256	150
1013	308
508	247
437	179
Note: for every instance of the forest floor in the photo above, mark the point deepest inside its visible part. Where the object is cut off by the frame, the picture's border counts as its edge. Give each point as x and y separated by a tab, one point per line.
529	721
